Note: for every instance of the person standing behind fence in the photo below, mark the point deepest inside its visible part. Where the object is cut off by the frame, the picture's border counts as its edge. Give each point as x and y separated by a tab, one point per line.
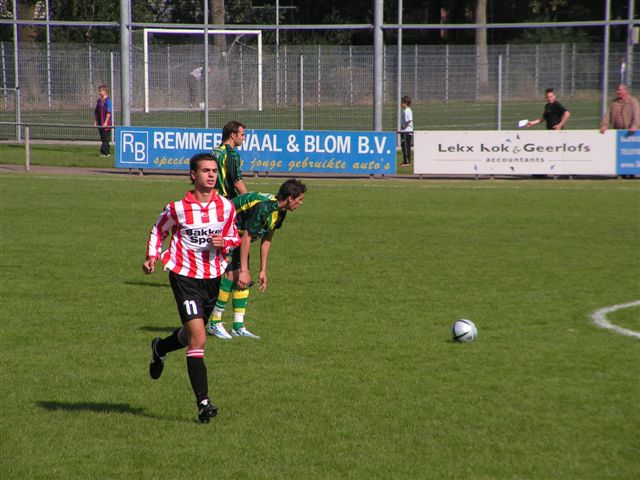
102	119
406	129
195	80
555	114
193	85
623	113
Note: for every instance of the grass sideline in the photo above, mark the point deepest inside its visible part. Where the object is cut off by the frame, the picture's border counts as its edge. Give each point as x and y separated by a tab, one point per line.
55	155
355	375
452	115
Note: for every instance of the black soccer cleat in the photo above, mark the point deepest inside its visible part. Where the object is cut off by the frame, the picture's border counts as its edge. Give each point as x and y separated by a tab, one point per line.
206	411
157	362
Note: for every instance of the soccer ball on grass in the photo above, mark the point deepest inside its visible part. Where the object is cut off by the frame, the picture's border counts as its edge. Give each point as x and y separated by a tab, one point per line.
464	331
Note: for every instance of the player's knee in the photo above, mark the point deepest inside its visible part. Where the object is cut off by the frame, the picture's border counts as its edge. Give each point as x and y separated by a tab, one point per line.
197	341
197	334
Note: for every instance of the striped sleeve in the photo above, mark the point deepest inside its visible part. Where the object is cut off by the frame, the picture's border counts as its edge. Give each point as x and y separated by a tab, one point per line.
230	233
160	230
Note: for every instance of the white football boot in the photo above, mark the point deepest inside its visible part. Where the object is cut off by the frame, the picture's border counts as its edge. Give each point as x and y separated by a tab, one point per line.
243	332
218	330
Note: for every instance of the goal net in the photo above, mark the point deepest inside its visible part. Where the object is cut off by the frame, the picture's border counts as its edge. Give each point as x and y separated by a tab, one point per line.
174	74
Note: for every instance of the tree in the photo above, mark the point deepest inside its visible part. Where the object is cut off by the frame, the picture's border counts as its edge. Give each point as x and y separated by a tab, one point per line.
553	11
221	75
96	10
481	44
217	18
26	11
29	75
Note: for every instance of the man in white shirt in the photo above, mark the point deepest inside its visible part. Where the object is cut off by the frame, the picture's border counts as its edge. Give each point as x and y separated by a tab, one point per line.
406	129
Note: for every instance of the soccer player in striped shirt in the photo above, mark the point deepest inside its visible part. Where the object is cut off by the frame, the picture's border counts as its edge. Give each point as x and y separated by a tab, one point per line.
258	216
203	232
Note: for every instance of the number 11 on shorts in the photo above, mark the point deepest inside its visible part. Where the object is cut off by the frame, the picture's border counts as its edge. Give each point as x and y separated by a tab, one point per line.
190	307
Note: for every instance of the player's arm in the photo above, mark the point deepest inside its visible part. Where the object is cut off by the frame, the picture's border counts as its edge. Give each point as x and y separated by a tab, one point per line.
107	117
408	122
236	174
265	247
149	265
534	122
563	120
158	233
409	118
240	187
244	276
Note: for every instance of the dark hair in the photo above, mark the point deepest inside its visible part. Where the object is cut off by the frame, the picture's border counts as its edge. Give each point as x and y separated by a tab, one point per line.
231	127
406	99
194	162
103	87
548	90
291	188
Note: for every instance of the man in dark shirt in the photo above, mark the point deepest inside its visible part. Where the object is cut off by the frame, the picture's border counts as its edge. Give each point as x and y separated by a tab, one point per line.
554	112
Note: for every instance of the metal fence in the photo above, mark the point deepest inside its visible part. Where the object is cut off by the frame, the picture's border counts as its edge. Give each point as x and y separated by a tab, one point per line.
58	85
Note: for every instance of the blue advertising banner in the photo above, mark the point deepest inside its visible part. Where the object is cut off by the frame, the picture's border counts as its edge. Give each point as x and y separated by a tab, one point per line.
628	153
289	151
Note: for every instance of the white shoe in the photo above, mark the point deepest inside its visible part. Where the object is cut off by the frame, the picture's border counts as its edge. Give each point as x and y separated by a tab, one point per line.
218	330
243	332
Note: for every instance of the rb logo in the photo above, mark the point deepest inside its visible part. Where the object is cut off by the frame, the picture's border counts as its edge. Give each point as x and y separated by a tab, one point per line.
134	147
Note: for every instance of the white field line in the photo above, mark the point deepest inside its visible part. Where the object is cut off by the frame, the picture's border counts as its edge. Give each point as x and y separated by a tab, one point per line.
399	184
599	317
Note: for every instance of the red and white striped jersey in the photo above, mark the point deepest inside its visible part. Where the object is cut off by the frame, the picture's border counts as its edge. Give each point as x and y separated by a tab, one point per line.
191	225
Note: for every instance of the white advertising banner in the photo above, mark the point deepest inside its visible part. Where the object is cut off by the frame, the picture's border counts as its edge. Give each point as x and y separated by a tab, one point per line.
515	152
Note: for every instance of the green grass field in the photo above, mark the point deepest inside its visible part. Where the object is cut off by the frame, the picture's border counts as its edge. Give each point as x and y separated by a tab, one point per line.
58	155
453	115
355	375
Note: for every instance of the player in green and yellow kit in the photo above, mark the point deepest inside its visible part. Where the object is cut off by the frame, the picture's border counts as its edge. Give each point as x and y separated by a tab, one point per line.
229	184
258	215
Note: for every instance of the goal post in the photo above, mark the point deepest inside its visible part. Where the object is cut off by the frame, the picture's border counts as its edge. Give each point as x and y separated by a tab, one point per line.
199	31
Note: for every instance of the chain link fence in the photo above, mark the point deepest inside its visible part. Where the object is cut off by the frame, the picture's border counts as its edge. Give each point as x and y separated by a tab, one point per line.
447	84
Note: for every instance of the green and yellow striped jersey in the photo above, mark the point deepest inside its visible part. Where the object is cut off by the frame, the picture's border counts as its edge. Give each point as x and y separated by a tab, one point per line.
229	164
257	213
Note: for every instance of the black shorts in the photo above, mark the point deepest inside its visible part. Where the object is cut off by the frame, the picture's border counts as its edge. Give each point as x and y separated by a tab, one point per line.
234	260
195	297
